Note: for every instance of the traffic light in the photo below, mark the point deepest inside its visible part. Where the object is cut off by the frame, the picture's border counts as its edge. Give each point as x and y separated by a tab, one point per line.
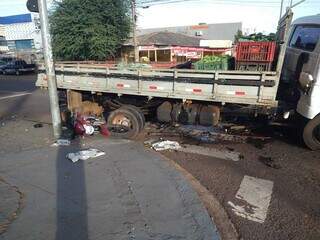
32	6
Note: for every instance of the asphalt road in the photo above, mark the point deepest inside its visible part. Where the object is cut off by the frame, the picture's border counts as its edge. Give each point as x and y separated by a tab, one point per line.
12	83
19	97
272	192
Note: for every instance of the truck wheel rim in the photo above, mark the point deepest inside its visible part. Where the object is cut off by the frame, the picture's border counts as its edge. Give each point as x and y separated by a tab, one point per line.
121	124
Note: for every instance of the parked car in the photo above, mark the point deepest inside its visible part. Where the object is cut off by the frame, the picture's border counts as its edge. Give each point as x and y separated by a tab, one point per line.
18	67
2	64
4	61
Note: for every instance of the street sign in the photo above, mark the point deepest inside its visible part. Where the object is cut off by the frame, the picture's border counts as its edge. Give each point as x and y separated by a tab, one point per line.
32	6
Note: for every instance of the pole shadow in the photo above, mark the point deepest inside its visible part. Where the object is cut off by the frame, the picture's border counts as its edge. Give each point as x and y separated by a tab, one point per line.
71	202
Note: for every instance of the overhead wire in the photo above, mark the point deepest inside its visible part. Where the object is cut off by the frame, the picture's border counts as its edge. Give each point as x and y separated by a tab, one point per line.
264	3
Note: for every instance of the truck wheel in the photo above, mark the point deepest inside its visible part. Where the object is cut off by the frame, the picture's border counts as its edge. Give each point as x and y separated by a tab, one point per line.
17	73
139	114
123	123
311	133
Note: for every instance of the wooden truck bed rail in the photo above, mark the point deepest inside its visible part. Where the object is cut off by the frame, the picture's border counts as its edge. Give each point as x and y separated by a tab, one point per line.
257	88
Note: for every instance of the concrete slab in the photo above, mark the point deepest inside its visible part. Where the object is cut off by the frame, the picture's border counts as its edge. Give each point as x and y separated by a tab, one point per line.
130	193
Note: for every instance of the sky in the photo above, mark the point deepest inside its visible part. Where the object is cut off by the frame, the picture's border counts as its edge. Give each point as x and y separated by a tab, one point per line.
256	15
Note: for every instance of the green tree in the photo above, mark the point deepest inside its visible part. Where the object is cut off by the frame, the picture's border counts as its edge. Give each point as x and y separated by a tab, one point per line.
89	29
238	36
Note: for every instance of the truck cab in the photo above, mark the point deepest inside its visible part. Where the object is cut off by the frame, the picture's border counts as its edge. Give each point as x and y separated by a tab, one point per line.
301	75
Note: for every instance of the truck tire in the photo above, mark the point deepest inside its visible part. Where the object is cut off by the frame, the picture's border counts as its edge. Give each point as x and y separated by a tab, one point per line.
17	73
311	133
135	110
123	123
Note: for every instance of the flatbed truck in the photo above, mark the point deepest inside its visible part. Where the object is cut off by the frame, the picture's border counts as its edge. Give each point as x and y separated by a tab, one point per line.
208	94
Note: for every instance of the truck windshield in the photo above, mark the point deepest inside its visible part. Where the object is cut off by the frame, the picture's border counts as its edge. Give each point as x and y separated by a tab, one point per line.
305	37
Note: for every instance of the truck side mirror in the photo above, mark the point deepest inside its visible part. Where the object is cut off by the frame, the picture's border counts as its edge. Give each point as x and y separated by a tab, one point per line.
305	81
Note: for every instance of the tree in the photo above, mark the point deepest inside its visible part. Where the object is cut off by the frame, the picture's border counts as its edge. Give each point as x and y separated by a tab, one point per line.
89	29
238	36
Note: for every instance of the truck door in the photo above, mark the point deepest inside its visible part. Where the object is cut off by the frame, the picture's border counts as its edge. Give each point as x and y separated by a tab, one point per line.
301	56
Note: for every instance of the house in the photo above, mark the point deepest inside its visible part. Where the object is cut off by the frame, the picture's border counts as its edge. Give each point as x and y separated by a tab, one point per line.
168	47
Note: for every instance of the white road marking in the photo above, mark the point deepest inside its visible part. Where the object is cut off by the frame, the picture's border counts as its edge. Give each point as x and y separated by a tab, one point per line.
15	95
257	195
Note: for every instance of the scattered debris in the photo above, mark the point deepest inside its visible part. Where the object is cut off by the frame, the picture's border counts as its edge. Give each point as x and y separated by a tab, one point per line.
257	143
211	152
38	125
230	149
61	142
209	134
150	141
237	128
104	130
216	134
166	145
268	161
85	155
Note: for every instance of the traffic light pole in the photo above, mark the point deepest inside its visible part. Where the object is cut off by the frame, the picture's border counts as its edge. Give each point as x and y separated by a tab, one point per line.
51	76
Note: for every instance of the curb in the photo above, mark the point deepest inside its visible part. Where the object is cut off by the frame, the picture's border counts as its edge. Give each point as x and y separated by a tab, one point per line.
217	212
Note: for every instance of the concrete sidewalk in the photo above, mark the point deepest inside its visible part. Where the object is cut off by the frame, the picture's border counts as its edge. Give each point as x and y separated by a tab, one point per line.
130	193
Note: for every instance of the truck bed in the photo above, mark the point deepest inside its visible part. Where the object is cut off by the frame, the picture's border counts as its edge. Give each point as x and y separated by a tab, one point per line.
242	87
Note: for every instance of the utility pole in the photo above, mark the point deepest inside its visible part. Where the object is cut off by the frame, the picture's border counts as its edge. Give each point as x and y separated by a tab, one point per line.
51	76
134	30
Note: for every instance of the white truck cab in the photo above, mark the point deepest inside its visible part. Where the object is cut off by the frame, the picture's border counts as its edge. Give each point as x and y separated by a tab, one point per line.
301	70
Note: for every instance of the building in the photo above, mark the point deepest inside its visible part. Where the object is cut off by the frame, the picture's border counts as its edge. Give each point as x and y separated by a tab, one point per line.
216	31
21	32
178	44
169	47
3	42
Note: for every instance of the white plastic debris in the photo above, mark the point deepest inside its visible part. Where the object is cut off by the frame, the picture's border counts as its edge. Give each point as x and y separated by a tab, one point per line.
166	145
88	129
61	142
85	154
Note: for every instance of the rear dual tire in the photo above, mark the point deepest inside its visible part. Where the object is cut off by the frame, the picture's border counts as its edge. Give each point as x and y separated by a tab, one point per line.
126	122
